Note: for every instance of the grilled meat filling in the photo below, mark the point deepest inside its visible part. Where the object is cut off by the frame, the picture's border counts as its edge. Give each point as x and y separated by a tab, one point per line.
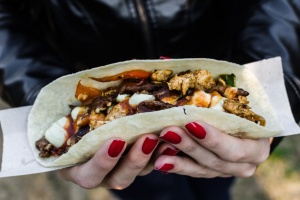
154	91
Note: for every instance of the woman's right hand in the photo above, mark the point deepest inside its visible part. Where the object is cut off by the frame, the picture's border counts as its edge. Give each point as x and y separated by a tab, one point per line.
108	169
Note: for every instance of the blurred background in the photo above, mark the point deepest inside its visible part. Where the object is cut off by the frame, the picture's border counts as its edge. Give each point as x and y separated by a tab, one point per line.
276	179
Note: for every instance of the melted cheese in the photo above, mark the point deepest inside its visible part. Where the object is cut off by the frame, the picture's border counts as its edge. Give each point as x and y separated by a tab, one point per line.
135	99
57	134
76	111
121	97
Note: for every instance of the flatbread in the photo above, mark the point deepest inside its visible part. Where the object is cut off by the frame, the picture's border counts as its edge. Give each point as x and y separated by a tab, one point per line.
54	99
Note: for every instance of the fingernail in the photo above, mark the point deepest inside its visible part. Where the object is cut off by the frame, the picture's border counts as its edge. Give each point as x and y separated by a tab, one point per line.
171	137
166	167
195	129
148	145
170	152
115	148
164	57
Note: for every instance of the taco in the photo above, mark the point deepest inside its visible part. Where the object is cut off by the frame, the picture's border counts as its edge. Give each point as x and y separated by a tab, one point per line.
75	114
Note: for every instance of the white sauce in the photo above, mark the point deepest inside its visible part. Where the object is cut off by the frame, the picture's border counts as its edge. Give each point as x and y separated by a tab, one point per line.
135	99
121	97
76	111
56	134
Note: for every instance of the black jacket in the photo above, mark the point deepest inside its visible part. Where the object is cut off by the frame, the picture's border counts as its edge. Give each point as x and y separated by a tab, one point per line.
42	40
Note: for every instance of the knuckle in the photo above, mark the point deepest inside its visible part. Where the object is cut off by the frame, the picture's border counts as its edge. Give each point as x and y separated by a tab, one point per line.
213	144
200	174
248	172
263	156
190	147
205	172
265	153
239	156
136	163
85	183
104	166
218	164
200	171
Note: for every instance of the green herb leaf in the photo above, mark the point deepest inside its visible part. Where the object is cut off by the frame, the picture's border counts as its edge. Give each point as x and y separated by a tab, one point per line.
229	79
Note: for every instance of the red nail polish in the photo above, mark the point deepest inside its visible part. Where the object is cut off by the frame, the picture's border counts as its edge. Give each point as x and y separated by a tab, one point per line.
166	167
115	148
195	129
170	152
164	57
171	137
148	145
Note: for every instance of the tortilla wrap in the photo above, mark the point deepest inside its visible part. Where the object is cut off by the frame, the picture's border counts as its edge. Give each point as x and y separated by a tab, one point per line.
54	99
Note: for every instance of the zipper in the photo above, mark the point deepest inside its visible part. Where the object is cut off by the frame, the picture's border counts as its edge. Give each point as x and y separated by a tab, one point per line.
145	28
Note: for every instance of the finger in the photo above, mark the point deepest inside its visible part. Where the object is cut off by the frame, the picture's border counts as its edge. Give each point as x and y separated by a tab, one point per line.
227	147
91	173
184	166
187	166
133	163
203	156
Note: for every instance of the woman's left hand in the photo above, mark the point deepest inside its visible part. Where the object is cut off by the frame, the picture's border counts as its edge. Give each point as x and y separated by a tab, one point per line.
209	152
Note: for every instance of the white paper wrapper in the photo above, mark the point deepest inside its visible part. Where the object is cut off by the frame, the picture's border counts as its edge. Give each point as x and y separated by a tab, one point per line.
270	74
18	159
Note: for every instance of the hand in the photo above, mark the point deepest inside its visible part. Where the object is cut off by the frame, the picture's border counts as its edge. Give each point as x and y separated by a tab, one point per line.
108	169
209	152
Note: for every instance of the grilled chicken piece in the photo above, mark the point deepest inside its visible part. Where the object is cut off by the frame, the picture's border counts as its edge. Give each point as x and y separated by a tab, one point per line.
243	111
243	99
170	99
161	75
230	92
96	120
116	112
237	108
200	99
182	83
205	80
200	79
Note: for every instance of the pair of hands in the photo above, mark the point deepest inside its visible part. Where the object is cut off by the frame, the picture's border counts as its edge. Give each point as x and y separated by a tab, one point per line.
205	152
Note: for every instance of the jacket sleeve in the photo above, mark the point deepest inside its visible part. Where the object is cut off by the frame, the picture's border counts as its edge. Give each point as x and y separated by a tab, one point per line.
270	28
25	58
